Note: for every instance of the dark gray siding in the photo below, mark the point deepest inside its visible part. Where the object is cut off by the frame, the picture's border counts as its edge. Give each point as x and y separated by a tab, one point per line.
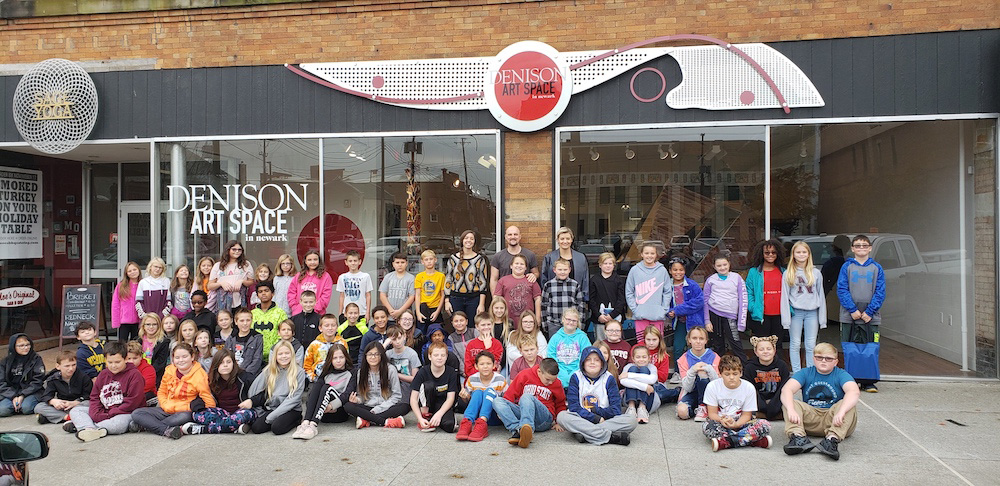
918	74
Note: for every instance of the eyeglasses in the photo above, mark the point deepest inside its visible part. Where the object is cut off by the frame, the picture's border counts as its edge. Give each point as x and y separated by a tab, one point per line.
24	345
861	246
571	320
236	249
612	331
372	355
825	359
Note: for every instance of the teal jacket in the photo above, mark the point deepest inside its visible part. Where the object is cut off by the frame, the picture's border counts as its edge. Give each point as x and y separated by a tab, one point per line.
755	293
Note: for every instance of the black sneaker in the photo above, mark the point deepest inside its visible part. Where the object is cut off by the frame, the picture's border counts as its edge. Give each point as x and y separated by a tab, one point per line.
134	428
69	427
515	438
174	432
579	438
620	438
42	420
870	388
797	445
828	446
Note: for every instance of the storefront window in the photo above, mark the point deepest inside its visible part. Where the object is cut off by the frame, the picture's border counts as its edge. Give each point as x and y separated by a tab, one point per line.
263	193
408	194
925	193
266	194
693	192
40	243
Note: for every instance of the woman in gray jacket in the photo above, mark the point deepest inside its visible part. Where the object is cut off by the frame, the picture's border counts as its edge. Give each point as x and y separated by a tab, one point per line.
276	394
374	397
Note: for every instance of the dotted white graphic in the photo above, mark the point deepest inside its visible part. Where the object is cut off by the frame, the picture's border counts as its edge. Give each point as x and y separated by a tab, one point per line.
55	106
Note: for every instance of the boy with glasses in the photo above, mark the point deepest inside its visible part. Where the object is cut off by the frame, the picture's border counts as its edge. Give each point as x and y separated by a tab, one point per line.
827	408
861	291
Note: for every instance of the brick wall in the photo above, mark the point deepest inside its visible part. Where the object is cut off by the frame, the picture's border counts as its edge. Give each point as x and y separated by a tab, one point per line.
527	185
985	263
390	29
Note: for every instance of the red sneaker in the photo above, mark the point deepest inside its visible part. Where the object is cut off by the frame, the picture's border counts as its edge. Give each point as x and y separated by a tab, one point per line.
721	443
763	442
362	423
395	423
479	430
464	429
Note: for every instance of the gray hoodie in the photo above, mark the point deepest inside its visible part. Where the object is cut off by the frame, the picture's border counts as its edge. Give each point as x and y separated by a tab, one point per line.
647	292
281	400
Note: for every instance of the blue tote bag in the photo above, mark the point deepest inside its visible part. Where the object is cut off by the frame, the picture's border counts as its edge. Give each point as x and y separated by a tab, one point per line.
861	353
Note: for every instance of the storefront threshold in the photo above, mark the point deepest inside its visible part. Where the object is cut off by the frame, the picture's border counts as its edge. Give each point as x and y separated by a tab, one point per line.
943	379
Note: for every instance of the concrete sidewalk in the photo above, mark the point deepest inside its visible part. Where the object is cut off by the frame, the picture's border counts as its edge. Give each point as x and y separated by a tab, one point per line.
903	436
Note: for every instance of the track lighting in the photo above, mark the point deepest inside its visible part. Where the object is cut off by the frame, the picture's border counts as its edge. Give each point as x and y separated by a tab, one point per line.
594	155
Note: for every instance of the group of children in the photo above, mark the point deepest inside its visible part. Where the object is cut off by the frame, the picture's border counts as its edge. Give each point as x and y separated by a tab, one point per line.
188	362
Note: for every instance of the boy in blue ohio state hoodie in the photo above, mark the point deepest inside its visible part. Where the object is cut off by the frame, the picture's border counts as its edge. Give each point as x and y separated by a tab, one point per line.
595	406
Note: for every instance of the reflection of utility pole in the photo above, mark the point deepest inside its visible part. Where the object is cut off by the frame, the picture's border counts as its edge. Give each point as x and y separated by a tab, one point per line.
465	168
412	191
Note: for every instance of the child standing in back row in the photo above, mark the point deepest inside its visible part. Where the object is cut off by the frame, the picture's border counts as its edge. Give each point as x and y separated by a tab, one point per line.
685	310
429	286
803	304
861	291
726	308
355	286
647	292
559	295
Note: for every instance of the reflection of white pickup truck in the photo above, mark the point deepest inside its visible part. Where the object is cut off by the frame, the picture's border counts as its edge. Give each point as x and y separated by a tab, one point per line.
923	302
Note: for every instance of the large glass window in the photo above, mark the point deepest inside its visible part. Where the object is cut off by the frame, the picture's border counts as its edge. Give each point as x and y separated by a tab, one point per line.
925	193
380	195
693	192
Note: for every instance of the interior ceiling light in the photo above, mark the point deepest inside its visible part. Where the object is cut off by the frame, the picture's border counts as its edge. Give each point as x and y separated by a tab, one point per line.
572	157
670	150
663	155
594	155
348	149
629	153
802	152
456	183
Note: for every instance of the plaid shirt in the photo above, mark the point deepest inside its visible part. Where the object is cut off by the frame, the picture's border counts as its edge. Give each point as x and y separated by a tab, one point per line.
557	296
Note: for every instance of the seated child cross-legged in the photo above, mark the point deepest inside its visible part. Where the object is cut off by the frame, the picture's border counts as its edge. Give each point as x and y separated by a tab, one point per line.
230	386
276	393
595	411
117	392
480	391
435	385
65	387
134	356
374	397
326	397
698	366
767	373
532	402
731	402
183	381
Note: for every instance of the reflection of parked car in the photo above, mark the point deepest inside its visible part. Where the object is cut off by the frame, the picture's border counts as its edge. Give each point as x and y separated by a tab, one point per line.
592	252
702	246
678	242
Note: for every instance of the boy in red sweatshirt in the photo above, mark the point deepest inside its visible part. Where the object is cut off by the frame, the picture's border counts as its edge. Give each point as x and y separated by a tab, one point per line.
116	394
532	402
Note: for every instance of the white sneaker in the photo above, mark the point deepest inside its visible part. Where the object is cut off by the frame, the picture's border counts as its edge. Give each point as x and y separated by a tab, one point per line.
675	379
701	415
631	411
642	416
192	428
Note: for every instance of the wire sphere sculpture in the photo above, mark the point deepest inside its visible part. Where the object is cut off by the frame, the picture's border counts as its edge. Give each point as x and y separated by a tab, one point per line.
55	106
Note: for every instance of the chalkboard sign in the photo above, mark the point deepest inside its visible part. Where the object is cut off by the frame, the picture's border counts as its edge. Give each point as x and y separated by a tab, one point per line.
81	303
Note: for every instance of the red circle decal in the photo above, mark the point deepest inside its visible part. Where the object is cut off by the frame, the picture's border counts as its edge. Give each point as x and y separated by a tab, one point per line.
528	86
342	235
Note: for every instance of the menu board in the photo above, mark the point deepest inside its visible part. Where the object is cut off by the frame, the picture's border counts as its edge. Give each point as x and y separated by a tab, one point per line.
81	303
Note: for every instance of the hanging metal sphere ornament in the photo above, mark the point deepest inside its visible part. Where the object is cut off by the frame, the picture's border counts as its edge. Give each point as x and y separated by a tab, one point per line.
55	106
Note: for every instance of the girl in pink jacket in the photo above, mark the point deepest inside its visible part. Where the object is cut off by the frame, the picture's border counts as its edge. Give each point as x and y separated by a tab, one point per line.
312	277
123	314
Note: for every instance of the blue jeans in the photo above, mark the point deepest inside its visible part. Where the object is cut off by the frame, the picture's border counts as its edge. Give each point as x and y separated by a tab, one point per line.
695	397
467	303
680	342
633	395
480	404
667	395
807	320
528	411
27	406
